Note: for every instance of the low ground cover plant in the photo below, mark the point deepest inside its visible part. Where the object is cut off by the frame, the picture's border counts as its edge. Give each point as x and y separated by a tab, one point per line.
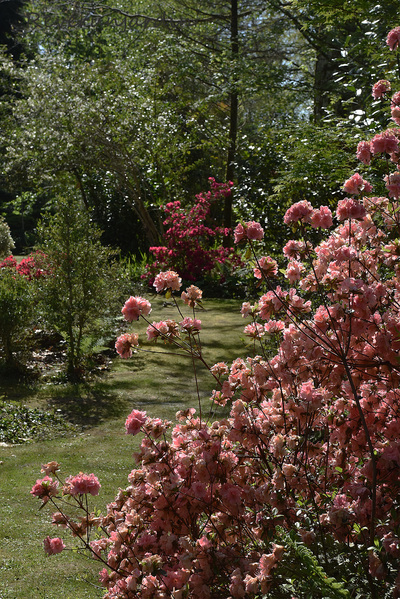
19	424
294	490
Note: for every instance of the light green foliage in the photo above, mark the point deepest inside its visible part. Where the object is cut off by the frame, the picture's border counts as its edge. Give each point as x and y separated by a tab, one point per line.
16	311
79	291
6	241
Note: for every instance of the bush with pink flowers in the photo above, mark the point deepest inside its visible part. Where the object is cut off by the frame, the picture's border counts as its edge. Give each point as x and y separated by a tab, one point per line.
193	244
294	490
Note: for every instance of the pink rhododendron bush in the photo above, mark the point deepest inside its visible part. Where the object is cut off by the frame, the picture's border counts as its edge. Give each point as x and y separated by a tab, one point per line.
296	491
193	244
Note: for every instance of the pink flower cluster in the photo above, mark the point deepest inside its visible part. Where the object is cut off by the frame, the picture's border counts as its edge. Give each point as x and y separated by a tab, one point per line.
266	267
81	484
393	38
393	184
53	546
167	280
380	88
248	231
350	208
166	329
135	307
45	488
357	185
192	296
124	344
190	325
305	213
135	421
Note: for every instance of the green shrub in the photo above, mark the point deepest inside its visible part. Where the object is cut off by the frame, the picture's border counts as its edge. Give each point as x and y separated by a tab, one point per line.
16	310
78	294
6	241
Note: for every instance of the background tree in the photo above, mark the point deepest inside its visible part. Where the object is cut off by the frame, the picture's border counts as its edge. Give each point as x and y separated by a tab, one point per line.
140	104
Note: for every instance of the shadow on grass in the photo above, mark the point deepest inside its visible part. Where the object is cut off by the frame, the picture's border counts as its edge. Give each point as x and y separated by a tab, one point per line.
89	406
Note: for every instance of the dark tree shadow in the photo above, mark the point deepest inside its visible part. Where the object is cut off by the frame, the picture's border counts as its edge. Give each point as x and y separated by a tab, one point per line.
89	406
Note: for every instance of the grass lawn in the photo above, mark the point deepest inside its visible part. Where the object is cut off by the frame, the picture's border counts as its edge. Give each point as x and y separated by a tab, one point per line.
159	383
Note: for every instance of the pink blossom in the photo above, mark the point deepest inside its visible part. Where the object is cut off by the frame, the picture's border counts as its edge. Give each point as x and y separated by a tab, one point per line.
350	208
165	329
247	309
395	101
296	249
192	296
294	270
301	211
356	184
380	88
191	325
384	143
219	369
135	421
44	488
50	468
248	230
393	184
157	329
274	326
395	112
254	330
53	546
393	38
364	152
82	484
134	307
104	577
270	560
167	280
254	231
124	344
376	567
266	267
322	218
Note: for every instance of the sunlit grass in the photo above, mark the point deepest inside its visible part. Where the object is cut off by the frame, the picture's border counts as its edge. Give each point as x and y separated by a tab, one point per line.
159	383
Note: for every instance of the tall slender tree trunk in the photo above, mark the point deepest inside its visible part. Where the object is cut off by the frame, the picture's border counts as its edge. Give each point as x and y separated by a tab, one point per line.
233	117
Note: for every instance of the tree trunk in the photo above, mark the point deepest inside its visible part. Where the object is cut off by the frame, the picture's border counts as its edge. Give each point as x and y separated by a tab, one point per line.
233	117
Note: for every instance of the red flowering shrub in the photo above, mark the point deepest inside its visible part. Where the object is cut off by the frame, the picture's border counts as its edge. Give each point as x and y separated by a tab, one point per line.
296	491
192	247
32	267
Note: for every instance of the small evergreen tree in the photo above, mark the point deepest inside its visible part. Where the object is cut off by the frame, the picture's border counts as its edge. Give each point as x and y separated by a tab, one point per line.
78	293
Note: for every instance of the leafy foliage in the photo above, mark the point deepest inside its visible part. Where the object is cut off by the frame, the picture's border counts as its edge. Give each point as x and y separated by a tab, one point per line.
78	293
19	424
6	241
16	312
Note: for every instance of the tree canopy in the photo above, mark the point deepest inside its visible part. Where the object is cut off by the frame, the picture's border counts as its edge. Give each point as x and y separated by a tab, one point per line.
137	103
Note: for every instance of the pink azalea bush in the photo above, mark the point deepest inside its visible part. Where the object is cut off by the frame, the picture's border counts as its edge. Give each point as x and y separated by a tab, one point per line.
294	491
193	245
